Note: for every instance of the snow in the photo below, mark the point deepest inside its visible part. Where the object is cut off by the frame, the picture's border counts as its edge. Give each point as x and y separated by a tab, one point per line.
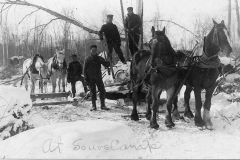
13	100
232	77
227	60
81	140
100	127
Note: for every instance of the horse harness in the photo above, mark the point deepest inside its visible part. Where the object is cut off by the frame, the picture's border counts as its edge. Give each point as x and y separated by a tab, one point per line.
54	65
158	68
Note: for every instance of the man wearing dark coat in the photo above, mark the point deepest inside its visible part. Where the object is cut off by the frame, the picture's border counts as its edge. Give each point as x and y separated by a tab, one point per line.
112	37
93	76
75	74
132	25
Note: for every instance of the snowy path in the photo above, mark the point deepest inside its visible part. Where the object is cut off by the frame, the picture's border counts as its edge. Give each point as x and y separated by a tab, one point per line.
183	141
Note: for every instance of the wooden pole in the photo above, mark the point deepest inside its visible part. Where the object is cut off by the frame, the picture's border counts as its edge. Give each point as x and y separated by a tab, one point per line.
126	37
51	47
229	17
238	19
140	13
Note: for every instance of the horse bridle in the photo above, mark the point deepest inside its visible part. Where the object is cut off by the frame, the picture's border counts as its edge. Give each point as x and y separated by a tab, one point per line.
41	77
215	35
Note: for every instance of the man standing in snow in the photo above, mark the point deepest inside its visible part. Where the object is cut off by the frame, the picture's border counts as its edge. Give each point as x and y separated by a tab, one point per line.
132	25
75	74
93	76
112	37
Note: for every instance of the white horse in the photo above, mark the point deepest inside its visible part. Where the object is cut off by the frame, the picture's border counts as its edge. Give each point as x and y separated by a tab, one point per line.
57	68
34	69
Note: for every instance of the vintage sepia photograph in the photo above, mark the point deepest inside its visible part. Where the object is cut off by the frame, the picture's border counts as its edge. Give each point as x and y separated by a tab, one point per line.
119	79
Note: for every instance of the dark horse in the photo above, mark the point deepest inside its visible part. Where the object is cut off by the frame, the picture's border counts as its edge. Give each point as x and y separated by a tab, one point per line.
157	69
204	73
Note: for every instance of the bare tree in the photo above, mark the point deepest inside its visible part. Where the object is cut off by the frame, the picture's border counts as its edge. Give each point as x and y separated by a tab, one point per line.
66	29
202	27
238	19
58	15
229	17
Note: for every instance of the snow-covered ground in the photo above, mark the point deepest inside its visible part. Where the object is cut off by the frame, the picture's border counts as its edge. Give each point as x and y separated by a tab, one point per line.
70	122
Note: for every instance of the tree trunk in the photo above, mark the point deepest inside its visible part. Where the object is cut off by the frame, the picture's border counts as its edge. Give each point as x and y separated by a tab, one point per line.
3	54
140	13
3	40
238	19
7	40
126	36
229	17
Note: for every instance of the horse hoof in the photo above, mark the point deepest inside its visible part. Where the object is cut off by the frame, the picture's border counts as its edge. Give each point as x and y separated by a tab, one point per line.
199	123
169	124
175	116
209	125
209	128
188	114
200	128
154	125
134	117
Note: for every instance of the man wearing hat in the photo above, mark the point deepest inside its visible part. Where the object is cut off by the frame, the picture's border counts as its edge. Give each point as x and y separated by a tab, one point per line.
132	24
112	37
93	76
75	74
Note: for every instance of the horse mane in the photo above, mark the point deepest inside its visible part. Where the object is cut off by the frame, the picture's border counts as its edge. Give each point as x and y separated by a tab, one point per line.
36	56
169	45
140	55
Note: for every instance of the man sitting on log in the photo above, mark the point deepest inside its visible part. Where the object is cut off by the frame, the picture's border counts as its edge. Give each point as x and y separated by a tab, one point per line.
93	76
75	74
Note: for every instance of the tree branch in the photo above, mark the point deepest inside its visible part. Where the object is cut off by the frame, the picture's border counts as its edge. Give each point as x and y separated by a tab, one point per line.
3	9
48	24
44	25
177	25
75	22
58	15
28	15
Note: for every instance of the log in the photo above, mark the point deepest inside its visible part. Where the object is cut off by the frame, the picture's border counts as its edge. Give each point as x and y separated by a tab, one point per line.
49	95
142	114
51	103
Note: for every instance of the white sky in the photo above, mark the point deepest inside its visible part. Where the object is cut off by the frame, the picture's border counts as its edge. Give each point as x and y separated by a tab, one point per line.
89	12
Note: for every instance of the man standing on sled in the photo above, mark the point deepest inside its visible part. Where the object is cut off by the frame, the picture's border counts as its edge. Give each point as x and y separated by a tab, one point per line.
93	76
132	24
112	38
75	74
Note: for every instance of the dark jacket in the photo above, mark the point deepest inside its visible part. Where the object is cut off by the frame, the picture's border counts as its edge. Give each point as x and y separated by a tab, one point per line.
92	67
111	32
74	68
133	22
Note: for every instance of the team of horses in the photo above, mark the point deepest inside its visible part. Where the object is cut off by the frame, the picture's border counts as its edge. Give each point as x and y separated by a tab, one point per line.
160	68
163	68
36	69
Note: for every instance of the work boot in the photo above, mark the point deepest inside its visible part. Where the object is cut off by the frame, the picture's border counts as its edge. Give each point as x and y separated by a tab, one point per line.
103	107
73	95
94	107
